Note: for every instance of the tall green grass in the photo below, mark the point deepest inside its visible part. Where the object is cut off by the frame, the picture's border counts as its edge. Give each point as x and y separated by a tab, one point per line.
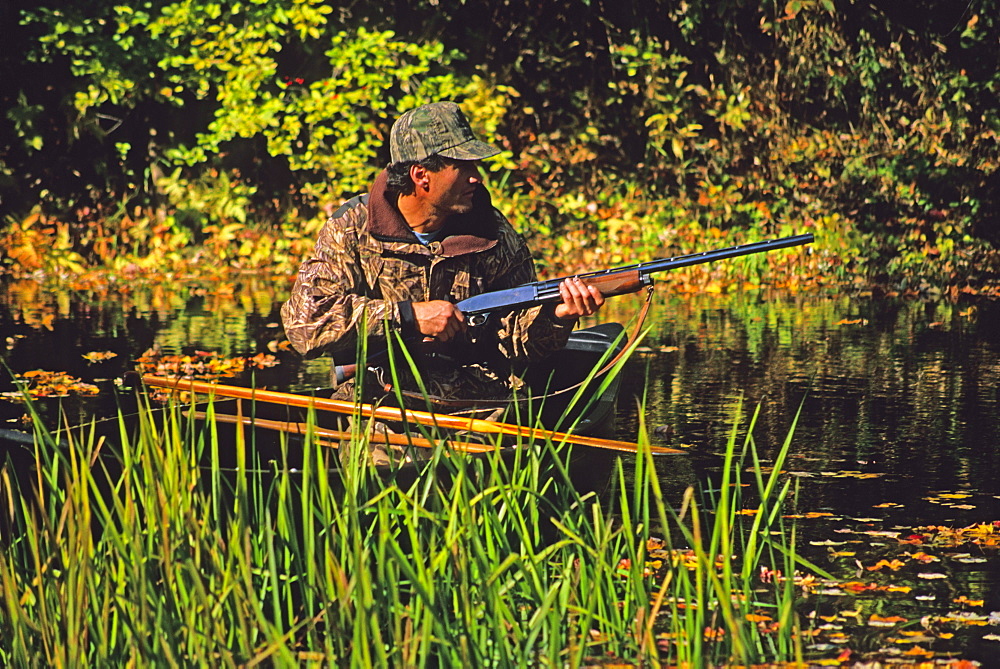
735	598
170	550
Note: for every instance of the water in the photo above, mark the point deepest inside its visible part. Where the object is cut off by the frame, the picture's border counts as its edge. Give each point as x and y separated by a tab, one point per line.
898	426
902	391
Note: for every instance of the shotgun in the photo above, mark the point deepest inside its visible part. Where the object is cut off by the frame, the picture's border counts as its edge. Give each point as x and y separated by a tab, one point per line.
611	282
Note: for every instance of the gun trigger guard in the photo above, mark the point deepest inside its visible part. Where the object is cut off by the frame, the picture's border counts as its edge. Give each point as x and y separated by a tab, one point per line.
477	319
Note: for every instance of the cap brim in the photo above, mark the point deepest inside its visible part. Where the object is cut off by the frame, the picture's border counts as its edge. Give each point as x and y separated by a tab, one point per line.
472	149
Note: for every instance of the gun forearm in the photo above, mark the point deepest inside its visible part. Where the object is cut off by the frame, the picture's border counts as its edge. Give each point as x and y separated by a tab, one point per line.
619	282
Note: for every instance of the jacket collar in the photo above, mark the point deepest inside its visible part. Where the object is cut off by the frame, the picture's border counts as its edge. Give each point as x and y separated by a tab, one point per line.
464	233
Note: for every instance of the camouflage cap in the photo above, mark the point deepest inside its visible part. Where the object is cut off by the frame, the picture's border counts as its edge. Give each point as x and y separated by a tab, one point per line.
436	128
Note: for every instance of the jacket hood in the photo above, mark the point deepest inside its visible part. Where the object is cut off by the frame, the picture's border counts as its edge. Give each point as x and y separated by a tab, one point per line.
464	233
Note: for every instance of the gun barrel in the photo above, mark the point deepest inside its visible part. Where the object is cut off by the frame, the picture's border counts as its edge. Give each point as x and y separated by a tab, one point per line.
721	254
645	269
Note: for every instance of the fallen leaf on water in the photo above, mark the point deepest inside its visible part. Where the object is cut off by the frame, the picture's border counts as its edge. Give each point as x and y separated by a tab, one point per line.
893	565
99	356
200	364
262	360
969	602
915	539
911	636
880	533
875	620
852	474
12	340
274	345
756	618
42	383
966	618
968	559
917	650
980	534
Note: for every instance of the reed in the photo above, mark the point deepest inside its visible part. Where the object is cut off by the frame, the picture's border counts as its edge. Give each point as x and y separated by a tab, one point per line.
730	595
162	548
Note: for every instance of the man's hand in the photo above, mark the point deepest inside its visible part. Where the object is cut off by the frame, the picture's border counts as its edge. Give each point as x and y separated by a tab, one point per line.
438	319
579	299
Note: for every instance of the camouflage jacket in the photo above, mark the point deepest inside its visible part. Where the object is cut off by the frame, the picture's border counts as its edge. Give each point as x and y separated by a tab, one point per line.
368	267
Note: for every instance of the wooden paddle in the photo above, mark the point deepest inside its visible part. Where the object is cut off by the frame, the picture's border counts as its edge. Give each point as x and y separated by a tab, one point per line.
339	435
445	421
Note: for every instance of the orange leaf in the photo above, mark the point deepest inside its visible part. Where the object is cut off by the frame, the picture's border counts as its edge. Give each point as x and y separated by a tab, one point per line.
876	620
756	618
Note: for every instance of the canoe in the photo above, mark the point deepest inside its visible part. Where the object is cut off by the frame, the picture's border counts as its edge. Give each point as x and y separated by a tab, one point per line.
562	397
562	402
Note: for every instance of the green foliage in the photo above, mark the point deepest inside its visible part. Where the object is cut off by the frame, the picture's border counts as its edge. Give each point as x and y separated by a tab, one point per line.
216	197
334	128
653	77
272	73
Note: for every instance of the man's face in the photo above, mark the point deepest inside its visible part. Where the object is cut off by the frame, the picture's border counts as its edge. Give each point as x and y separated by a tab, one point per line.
450	190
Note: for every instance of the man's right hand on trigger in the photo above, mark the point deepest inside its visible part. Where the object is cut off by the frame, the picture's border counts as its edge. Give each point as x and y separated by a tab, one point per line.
438	319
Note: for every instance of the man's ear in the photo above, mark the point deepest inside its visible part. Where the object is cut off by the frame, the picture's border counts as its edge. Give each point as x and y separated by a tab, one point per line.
419	175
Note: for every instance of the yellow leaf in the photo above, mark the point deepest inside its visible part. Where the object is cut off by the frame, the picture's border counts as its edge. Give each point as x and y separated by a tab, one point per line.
970	602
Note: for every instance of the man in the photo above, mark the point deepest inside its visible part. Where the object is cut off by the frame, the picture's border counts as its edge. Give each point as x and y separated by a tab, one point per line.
399	257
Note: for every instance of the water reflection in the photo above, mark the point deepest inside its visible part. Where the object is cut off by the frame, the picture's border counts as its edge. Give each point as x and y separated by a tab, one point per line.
899	388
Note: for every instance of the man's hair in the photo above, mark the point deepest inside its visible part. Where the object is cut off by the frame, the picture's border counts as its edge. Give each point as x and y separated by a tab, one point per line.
400	183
